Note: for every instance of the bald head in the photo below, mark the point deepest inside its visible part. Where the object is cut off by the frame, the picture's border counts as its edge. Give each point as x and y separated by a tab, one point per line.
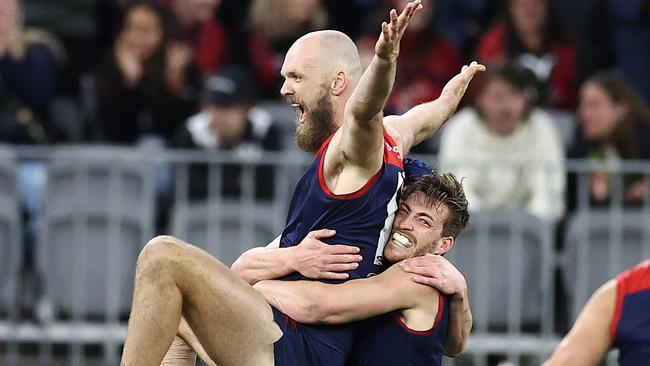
332	50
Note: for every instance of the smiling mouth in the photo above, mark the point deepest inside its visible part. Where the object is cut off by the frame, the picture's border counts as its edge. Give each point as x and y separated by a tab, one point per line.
402	241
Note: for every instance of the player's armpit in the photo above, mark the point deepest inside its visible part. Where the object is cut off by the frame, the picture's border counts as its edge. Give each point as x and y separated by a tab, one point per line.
589	339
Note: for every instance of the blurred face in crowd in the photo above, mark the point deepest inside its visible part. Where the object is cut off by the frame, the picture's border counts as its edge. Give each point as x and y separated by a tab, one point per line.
420	21
142	32
599	115
228	122
528	16
301	11
308	92
196	11
501	105
417	229
9	10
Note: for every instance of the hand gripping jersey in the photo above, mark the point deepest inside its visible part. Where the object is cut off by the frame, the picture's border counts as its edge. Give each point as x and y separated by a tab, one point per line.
387	341
364	219
630	327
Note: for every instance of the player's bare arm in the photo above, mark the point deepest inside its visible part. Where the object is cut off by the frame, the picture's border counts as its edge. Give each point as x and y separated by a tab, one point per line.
422	121
310	302
358	146
438	272
589	339
312	258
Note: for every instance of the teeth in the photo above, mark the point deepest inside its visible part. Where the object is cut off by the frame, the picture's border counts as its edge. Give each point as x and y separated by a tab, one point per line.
295	105
402	240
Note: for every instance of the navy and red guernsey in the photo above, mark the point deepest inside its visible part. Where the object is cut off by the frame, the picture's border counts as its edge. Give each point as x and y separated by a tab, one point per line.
364	219
630	327
387	341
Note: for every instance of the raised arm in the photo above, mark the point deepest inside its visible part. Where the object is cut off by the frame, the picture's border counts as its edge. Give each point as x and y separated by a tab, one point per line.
436	271
316	302
589	339
312	258
422	121
361	141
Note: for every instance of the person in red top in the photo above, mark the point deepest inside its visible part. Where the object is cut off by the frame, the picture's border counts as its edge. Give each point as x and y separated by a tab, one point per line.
531	35
427	60
201	31
616	316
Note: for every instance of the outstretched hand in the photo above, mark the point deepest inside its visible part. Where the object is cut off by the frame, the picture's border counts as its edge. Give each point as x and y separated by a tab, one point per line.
456	87
387	47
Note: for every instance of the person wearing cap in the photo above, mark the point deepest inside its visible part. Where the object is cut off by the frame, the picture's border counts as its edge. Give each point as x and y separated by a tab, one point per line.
229	121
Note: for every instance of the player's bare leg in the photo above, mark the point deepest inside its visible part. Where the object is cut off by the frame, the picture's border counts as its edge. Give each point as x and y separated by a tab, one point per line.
230	319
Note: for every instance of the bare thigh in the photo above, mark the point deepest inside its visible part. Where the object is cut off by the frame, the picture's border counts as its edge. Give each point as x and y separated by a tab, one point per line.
231	320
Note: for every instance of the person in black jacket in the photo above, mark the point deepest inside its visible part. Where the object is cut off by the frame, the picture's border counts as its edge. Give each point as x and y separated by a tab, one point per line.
149	83
228	121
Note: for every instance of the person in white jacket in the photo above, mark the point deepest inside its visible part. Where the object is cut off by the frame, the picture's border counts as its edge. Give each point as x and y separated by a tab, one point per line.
508	152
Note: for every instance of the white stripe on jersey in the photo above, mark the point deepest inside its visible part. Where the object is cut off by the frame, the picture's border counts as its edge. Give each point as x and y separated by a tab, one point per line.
391	208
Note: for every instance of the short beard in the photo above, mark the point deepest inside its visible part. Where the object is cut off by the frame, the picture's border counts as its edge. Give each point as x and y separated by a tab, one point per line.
311	134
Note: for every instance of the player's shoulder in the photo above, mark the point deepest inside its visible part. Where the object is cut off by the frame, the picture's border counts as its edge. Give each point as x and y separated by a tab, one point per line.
635	279
395	276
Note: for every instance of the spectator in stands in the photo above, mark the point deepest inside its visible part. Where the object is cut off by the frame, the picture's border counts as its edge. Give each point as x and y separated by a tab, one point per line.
228	121
508	152
277	24
200	30
615	126
427	59
148	84
531	35
29	61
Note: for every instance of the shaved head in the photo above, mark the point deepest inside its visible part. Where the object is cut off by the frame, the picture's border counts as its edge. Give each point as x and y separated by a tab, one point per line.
320	70
333	50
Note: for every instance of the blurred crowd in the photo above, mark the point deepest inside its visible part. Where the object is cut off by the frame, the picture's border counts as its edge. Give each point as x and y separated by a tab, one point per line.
566	79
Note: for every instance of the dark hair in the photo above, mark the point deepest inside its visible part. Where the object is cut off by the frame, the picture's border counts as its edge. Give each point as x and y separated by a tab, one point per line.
553	32
168	28
514	75
443	188
620	91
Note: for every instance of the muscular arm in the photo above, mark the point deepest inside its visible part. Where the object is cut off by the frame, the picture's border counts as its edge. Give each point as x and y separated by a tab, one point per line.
422	121
436	271
361	140
460	325
589	339
311	258
264	263
316	302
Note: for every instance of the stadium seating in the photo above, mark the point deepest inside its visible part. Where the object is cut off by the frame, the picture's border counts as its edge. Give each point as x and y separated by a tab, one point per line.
599	244
226	228
507	260
10	235
98	212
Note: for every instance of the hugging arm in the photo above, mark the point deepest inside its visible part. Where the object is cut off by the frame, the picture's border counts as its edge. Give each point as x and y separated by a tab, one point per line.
311	258
316	302
436	271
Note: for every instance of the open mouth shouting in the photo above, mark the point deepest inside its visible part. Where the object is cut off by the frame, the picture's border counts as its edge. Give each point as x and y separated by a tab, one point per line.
299	110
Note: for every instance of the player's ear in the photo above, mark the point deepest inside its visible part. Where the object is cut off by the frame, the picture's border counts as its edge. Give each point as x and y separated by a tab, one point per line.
339	83
447	243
